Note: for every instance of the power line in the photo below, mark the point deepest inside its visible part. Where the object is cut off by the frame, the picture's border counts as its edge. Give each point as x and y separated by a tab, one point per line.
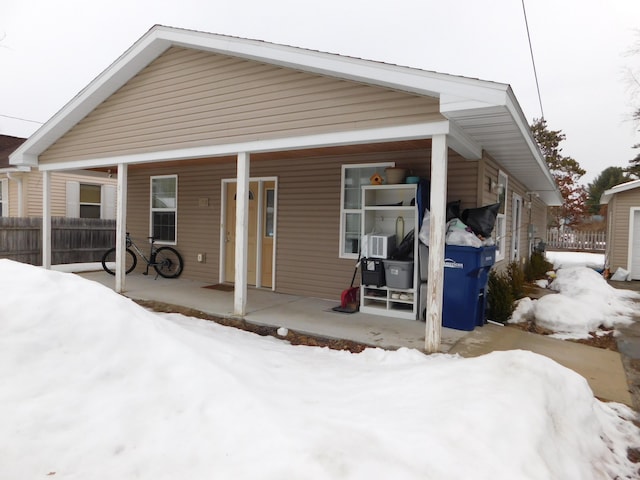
19	118
533	62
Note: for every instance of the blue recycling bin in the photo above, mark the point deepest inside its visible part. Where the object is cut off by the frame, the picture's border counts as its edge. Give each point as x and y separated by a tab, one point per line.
466	273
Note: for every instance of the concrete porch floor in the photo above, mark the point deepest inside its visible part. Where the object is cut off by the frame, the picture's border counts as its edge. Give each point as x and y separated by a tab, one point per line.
264	307
603	369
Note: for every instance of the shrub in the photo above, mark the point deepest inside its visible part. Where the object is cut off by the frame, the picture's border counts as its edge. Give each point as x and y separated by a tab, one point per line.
499	297
516	277
537	267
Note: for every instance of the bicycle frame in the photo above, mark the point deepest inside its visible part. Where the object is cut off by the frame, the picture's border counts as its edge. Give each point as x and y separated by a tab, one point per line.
151	261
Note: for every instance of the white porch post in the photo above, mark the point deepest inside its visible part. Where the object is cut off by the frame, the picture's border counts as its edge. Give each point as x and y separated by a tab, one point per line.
436	242
121	226
242	234
46	219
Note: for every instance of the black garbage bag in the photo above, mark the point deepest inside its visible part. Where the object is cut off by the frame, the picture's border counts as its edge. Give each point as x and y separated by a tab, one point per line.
453	210
482	219
404	251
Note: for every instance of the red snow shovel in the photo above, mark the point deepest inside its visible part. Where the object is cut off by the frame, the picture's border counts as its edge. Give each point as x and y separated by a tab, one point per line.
349	299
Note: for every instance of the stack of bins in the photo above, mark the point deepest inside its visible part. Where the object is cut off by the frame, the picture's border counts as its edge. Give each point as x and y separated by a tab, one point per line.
466	272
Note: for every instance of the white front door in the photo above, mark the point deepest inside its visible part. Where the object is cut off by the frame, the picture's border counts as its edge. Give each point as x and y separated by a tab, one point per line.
516	226
634	243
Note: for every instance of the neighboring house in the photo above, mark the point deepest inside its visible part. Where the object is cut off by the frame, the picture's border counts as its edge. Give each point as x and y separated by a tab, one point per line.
84	194
184	117
623	227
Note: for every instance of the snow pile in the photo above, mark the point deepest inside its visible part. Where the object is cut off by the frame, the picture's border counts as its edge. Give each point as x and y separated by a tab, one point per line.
575	259
585	302
96	387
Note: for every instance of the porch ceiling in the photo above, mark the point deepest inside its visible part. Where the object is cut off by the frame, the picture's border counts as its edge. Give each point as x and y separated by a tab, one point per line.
499	131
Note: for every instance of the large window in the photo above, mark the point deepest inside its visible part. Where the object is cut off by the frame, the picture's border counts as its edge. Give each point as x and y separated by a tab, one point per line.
501	220
353	178
164	208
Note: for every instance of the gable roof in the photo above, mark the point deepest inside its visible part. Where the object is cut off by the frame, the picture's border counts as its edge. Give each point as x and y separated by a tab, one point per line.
482	114
623	187
8	144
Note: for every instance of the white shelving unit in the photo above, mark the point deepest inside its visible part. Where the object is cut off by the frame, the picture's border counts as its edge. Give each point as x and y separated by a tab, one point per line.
382	205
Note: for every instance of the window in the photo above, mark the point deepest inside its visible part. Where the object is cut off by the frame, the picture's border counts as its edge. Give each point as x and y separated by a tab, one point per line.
501	222
86	200
90	200
164	208
4	198
354	177
269	213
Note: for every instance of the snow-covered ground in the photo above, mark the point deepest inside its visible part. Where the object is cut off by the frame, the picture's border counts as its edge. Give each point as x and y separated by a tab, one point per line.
584	300
95	387
576	259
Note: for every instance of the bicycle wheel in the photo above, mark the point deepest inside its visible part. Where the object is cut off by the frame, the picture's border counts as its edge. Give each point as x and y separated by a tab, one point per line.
168	262
109	261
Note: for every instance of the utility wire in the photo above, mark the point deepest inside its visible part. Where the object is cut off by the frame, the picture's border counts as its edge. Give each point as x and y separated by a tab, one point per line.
19	118
533	62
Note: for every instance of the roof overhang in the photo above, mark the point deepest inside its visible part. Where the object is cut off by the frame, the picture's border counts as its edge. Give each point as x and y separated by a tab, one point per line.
623	187
483	115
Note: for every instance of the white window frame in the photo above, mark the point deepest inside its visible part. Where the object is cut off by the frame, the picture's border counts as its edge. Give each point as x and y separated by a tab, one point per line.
4	197
153	210
501	219
80	203
342	244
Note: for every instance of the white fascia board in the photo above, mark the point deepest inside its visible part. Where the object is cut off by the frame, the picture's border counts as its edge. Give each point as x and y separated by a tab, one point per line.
354	137
421	82
104	85
623	187
518	116
160	38
20	169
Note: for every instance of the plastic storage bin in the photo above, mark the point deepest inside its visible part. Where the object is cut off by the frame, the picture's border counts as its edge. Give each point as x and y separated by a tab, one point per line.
466	271
372	272
398	273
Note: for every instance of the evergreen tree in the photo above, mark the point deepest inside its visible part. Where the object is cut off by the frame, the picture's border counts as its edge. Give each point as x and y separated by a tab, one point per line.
634	168
608	178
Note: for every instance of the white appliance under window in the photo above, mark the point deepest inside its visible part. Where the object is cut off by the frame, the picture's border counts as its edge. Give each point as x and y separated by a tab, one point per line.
378	245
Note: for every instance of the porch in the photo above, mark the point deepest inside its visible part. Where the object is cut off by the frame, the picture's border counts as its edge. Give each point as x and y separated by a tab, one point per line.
306	315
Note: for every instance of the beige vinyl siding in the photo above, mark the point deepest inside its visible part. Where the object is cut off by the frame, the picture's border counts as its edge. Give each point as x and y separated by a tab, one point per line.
536	216
189	98
618	237
308	227
32	191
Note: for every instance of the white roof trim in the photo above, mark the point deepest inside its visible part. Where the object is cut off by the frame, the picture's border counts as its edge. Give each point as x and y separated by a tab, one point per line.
623	187
373	135
457	94
160	38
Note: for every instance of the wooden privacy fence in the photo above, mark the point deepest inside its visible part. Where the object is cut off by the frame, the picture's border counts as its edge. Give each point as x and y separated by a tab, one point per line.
588	241
73	240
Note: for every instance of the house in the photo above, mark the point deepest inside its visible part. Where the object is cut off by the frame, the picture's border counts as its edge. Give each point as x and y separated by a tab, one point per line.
623	228
224	145
87	194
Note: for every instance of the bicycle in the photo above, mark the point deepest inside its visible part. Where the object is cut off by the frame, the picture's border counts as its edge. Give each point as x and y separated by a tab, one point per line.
166	261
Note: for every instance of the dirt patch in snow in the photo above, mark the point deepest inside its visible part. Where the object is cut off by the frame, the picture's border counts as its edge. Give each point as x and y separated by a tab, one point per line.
293	337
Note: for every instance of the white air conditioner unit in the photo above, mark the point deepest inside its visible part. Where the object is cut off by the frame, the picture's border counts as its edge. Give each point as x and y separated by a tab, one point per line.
377	245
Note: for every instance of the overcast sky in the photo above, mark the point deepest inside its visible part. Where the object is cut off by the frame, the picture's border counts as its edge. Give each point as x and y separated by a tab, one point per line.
50	50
